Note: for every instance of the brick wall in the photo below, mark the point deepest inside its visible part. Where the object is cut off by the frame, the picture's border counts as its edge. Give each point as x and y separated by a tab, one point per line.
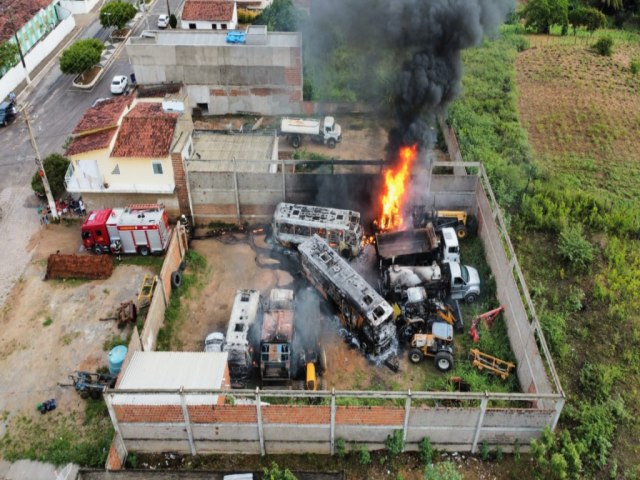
180	178
370	415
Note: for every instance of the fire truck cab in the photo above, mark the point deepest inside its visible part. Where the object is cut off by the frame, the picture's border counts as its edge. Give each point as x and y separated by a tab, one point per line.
141	228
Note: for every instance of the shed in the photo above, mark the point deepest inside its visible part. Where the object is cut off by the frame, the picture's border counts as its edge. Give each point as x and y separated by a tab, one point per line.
173	370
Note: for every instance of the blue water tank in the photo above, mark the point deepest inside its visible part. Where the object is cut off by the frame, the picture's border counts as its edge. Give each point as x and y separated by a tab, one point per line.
116	357
236	36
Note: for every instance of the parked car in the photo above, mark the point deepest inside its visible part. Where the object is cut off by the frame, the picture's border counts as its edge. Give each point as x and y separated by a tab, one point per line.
119	84
214	342
7	112
163	21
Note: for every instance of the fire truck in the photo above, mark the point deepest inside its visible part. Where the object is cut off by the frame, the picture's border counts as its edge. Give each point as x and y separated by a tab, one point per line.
141	228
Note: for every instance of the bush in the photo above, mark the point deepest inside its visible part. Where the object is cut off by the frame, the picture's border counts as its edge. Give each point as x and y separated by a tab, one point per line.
604	46
247	16
574	248
55	166
274	473
588	17
364	457
634	66
394	443
442	471
426	451
9	55
280	16
484	450
341	448
173	21
117	14
81	56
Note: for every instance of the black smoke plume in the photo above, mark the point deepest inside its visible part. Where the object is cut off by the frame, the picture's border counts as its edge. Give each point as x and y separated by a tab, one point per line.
428	35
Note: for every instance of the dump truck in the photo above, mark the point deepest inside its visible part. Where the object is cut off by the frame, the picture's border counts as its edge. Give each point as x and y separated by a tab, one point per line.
447	280
276	339
418	246
139	228
240	338
327	132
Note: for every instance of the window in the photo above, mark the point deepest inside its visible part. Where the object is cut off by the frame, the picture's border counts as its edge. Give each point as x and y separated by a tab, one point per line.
223	26
157	168
214	26
192	26
204	107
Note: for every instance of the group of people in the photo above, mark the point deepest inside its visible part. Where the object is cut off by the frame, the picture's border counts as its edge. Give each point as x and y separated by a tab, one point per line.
63	207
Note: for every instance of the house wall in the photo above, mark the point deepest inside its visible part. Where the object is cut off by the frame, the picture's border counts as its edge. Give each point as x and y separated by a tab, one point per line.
208	25
137	172
78	6
226	78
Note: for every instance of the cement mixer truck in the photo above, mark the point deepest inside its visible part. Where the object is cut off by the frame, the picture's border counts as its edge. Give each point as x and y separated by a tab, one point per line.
327	132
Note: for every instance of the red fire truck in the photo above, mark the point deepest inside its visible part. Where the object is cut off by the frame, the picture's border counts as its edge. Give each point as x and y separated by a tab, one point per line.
141	228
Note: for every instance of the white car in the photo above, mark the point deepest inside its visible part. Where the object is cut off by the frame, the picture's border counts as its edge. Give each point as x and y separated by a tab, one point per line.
214	342
119	84
163	21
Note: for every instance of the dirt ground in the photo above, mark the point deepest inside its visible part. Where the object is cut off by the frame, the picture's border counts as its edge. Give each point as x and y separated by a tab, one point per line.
50	329
248	261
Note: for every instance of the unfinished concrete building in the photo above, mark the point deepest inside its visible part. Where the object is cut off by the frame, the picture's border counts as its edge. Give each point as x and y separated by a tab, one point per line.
261	75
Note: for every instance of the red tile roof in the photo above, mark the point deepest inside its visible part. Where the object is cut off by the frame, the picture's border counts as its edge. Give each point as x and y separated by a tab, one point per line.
93	141
104	114
15	13
208	10
146	131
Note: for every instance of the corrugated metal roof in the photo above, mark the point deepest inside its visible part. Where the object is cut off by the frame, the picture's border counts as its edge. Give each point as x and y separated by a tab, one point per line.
166	370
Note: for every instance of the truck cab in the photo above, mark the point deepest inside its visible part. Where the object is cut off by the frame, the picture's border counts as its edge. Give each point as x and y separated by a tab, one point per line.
465	282
332	132
95	236
450	245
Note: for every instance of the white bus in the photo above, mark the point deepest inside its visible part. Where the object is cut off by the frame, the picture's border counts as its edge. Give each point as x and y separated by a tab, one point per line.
341	229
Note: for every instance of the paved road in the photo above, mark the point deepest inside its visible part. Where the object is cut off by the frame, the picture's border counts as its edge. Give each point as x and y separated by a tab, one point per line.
54	107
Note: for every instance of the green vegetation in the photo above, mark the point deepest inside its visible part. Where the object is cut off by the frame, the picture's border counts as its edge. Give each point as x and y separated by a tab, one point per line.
48	321
340	448
154	262
117	14
604	45
425	450
55	166
173	21
394	443
274	473
280	16
81	56
61	438
589	18
574	248
539	15
9	55
175	314
442	471
364	457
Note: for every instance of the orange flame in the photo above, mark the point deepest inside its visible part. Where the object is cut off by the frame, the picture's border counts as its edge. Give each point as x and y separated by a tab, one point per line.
395	190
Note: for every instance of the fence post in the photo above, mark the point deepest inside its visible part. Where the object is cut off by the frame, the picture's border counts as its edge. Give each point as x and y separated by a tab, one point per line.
483	409
332	429
259	419
187	421
405	426
284	182
235	190
164	292
556	416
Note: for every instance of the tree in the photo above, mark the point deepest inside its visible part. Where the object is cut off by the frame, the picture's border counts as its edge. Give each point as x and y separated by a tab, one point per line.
540	15
117	14
590	18
81	56
8	55
280	16
55	166
173	21
274	473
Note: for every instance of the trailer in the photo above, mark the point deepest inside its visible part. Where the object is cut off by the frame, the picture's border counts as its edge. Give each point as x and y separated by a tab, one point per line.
420	246
138	228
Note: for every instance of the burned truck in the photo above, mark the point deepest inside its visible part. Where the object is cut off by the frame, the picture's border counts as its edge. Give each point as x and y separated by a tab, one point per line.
276	339
363	312
420	246
241	335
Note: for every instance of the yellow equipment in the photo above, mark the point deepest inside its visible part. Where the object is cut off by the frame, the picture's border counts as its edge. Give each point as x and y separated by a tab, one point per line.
437	344
146	290
311	381
459	216
484	361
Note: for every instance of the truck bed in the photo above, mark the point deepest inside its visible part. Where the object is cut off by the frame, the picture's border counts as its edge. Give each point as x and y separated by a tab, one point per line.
395	245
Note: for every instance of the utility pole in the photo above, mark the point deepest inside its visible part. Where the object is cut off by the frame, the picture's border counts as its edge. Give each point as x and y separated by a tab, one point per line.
43	174
168	9
15	35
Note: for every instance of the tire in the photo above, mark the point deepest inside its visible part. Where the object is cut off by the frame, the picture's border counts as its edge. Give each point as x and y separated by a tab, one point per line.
183	265
176	279
406	333
95	394
295	141
331	142
461	230
444	361
143	250
470	298
84	394
345	253
416	355
97	249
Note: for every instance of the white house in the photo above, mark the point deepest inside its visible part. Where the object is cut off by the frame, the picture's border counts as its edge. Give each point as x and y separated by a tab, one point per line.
209	15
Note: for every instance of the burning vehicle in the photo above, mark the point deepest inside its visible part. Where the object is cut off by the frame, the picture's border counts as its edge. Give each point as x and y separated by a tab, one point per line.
276	339
341	229
363	312
417	246
245	314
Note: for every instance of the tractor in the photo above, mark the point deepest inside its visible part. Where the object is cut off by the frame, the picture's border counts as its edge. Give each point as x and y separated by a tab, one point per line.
417	313
462	222
437	344
89	384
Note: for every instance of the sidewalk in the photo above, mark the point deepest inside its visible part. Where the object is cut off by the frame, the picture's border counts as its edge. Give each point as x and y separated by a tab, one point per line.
27	469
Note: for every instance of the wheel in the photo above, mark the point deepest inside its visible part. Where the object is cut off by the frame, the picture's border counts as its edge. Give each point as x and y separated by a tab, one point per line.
84	394
415	355
176	279
4	123
331	142
95	394
97	249
295	141
346	253
461	231
470	297
143	250
444	361
406	333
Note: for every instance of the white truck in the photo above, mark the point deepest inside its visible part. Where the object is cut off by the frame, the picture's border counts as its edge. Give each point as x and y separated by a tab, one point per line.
446	280
327	132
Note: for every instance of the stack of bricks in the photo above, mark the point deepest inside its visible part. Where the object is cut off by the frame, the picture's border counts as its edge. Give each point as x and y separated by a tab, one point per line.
79	266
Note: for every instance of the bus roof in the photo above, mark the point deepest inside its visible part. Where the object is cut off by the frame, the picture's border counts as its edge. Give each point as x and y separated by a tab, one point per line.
312	216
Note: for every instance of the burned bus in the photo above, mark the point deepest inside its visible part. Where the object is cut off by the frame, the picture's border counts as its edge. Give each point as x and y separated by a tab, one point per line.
363	312
245	316
341	229
276	339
